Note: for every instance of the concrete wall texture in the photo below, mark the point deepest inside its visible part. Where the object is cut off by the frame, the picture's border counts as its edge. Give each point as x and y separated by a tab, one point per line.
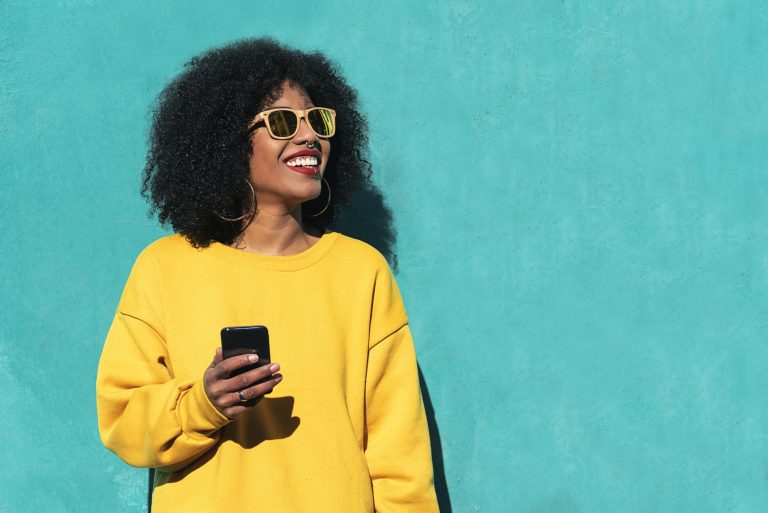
579	196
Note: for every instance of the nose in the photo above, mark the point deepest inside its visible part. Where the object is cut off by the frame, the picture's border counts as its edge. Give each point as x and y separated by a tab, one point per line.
305	133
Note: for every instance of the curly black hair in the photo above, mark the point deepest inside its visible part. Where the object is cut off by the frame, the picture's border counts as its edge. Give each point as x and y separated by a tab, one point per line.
199	143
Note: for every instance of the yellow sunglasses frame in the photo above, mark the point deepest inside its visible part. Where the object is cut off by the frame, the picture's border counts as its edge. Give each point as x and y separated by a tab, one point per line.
263	115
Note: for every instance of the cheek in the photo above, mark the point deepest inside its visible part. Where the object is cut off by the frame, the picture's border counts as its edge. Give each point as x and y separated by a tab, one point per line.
265	154
326	149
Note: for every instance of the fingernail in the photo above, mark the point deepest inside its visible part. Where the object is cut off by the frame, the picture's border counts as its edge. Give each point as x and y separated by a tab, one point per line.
274	367
253	358
278	379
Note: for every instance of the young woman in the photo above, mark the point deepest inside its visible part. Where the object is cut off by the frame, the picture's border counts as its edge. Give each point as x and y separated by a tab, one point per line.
253	151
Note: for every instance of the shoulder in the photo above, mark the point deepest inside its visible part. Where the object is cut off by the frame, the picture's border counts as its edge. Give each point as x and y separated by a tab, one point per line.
387	310
142	291
166	251
173	243
363	254
367	263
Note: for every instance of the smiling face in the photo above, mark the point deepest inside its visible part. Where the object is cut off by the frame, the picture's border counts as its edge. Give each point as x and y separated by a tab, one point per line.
280	186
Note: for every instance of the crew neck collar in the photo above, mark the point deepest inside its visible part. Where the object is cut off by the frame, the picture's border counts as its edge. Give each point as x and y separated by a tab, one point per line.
295	262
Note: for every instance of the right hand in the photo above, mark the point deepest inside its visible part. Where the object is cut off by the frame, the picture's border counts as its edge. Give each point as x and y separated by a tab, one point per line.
222	390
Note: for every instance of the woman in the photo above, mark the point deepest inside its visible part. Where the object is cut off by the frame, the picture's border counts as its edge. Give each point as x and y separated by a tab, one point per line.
252	151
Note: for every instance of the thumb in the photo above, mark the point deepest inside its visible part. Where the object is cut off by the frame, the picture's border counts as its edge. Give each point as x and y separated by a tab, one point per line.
217	358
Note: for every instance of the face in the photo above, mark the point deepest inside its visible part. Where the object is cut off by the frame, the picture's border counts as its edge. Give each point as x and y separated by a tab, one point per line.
280	186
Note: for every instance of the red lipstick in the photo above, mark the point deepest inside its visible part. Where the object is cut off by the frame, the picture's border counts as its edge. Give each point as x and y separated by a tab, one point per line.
313	171
303	153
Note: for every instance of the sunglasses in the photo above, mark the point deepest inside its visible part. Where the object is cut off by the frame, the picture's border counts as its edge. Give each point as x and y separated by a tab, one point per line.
283	123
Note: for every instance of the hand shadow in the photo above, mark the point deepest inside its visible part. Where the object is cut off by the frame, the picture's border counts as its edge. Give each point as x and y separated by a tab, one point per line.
270	419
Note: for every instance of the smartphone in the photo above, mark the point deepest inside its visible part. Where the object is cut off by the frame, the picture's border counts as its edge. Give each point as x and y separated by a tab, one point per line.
237	340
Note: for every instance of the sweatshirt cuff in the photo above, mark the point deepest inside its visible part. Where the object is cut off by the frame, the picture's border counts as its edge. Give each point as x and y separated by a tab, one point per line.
199	415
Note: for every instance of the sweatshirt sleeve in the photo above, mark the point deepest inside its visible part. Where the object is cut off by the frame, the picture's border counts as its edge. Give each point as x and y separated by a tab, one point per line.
397	446
146	416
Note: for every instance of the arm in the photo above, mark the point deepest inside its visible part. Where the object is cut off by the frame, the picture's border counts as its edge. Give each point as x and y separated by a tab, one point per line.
397	444
146	416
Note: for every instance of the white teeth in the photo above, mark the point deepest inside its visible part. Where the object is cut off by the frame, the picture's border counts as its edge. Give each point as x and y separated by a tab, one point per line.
302	161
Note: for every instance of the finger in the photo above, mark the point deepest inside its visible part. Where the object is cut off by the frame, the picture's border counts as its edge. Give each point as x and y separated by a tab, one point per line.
218	357
262	388
227	366
247	379
277	378
213	362
254	392
235	411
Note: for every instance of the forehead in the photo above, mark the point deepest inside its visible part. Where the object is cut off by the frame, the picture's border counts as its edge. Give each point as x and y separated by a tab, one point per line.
291	95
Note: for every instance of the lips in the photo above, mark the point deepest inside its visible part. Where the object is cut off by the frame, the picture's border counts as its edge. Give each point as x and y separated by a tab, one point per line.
305	161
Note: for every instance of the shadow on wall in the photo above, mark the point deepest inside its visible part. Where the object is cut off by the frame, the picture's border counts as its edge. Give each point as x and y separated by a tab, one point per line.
368	218
441	487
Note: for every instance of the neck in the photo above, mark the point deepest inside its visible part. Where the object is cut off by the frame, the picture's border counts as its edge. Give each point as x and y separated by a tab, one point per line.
273	233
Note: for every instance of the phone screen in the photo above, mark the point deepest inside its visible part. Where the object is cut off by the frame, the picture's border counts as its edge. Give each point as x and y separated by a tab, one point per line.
237	340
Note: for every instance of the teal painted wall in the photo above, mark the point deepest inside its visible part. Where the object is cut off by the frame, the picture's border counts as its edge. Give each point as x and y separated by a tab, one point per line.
579	192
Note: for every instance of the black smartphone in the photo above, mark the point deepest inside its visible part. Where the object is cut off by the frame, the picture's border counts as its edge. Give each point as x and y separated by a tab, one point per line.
237	340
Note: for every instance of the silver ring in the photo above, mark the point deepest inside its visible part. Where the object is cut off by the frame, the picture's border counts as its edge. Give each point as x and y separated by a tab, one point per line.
242	397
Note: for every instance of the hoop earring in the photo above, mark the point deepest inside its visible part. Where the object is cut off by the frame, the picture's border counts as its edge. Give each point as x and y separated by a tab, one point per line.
252	211
329	197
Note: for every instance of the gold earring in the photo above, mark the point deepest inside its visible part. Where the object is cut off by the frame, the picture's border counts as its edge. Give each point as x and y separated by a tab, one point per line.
329	197
251	212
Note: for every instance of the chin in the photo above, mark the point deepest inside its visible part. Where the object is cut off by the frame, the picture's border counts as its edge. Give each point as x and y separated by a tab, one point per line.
308	194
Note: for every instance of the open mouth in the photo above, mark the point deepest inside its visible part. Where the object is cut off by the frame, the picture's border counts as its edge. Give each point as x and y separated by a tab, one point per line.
306	162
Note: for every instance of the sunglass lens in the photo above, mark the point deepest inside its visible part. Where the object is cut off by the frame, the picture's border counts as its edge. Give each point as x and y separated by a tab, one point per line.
282	123
321	122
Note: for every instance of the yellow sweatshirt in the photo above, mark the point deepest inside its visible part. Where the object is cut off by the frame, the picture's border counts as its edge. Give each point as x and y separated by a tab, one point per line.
344	431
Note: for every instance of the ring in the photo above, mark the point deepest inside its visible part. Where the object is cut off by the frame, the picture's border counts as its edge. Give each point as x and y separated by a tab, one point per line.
242	397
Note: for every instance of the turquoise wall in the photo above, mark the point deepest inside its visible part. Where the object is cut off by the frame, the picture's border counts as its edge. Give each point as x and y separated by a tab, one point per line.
579	192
